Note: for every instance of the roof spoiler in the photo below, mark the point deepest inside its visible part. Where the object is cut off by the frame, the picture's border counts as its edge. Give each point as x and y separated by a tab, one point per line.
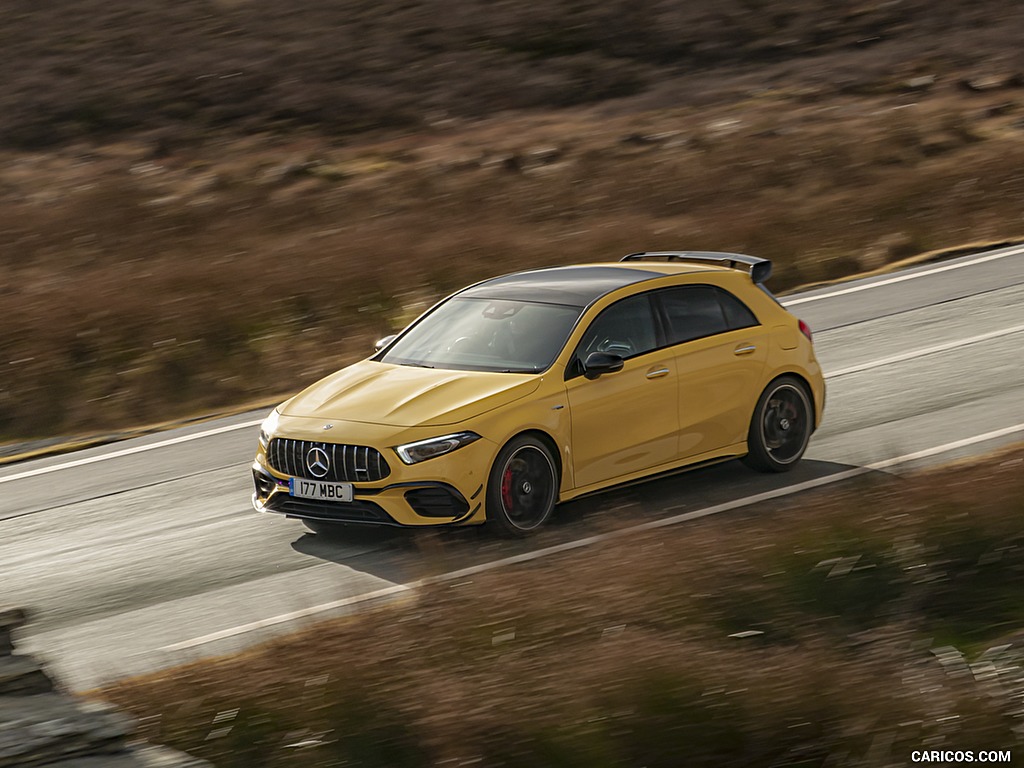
760	269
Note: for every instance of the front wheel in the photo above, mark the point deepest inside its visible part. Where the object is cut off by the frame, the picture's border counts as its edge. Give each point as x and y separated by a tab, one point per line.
522	487
780	427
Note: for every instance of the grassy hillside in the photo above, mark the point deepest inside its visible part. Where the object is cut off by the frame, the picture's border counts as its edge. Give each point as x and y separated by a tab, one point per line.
203	203
99	68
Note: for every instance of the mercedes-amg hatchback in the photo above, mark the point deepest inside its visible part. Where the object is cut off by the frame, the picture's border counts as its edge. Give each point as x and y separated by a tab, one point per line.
522	391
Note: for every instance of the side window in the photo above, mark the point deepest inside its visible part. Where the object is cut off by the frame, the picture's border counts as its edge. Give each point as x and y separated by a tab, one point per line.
736	313
626	328
693	312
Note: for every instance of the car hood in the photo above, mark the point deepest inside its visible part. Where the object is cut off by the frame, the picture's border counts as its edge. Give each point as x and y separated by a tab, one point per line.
407	396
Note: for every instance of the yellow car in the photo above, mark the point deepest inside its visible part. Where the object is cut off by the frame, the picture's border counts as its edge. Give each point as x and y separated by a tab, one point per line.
527	390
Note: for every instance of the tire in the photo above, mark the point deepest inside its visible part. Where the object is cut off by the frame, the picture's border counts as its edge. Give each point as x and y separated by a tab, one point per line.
522	488
780	427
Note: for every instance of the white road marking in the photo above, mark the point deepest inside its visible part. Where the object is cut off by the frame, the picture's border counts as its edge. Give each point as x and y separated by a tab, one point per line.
248	424
377	594
462	573
944	347
903	277
129	451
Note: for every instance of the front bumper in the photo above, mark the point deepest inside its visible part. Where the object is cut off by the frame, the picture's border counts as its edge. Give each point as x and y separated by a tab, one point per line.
447	490
403	505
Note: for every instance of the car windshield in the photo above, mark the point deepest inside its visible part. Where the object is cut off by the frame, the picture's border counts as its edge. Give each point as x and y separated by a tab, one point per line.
479	334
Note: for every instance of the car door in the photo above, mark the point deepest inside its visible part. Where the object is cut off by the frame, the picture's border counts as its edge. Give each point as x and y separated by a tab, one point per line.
626	421
720	351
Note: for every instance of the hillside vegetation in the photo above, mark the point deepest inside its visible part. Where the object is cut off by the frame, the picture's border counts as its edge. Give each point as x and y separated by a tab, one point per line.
205	203
99	68
834	630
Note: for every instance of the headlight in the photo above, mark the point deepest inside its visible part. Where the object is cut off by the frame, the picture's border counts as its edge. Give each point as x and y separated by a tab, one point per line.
268	428
421	450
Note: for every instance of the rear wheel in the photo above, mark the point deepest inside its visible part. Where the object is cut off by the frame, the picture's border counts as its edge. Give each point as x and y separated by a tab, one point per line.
522	488
780	427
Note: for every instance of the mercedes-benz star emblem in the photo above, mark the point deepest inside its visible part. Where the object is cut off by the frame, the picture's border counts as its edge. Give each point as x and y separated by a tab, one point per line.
317	462
328	426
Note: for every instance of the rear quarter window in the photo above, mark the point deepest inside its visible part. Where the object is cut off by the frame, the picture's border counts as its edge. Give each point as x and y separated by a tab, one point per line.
737	314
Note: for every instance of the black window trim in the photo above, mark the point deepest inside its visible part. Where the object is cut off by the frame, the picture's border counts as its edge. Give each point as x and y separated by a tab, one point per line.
574	367
661	323
757	322
718	295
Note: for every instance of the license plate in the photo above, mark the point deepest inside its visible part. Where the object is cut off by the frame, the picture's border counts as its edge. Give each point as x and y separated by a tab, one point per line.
319	490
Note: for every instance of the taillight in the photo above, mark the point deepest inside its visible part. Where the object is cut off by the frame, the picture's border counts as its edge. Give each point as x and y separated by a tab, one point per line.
805	329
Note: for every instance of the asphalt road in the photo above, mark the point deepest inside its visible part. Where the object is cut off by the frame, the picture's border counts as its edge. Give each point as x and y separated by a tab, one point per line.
146	553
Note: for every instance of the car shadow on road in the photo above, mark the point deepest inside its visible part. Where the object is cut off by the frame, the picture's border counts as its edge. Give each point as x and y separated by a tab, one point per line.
403	555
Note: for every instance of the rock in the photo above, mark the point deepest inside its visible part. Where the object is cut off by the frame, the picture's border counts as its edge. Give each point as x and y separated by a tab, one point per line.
987	83
10	620
22	676
41	727
922	83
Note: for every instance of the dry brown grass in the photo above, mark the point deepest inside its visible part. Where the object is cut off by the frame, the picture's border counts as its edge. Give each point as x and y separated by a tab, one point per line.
176	238
141	288
620	655
98	69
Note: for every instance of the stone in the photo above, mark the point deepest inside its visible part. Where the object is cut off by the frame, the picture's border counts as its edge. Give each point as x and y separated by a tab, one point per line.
42	727
45	727
922	83
22	676
987	83
10	620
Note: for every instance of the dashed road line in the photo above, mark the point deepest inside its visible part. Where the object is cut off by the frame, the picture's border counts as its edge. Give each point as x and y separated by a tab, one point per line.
903	277
944	347
399	589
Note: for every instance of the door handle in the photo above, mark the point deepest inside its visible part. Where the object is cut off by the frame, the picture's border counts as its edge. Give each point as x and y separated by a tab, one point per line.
744	350
657	373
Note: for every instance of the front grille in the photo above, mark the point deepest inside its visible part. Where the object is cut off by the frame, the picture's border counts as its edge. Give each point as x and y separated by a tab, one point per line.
436	502
347	463
357	511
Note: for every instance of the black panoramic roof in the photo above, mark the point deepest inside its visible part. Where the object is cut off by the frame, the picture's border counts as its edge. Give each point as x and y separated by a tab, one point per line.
574	286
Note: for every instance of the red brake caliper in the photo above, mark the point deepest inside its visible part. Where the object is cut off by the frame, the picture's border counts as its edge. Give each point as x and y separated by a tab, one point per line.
506	488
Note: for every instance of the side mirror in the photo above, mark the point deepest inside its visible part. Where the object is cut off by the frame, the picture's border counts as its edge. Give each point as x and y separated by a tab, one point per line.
381	343
598	363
